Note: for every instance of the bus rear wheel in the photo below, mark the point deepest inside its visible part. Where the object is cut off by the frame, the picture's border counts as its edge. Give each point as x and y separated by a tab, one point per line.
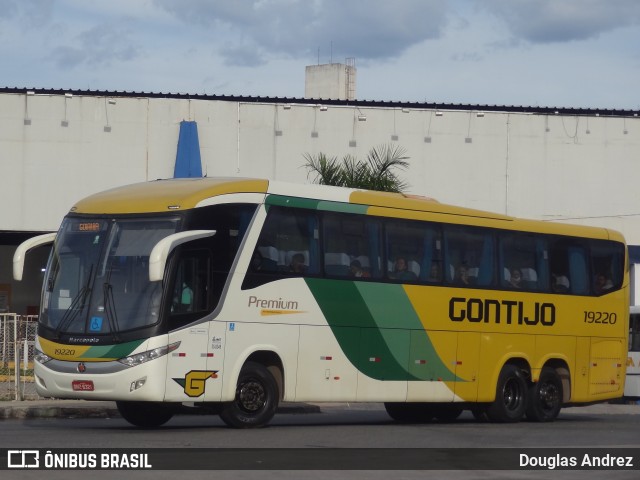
256	398
511	396
146	414
545	397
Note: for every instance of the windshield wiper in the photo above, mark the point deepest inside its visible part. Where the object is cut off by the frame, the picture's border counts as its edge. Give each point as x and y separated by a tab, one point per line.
77	305
110	307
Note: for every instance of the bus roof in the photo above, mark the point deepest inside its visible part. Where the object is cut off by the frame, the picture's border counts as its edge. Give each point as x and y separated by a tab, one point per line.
187	193
165	195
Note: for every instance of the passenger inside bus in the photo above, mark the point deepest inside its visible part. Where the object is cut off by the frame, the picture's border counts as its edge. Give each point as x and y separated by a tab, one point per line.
357	271
401	270
515	278
434	273
297	264
462	276
559	283
602	284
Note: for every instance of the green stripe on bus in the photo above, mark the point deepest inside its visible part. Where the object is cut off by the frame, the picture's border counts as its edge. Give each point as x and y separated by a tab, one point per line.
392	309
294	202
112	351
325	205
373	323
342	207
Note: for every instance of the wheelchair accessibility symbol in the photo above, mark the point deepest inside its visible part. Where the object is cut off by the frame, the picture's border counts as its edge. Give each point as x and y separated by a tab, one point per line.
96	324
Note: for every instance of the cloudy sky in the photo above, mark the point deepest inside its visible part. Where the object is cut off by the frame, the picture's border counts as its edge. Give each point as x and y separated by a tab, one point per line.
562	53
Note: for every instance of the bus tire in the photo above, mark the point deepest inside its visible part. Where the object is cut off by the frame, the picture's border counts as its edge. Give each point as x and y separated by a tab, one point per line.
256	399
545	397
146	414
511	396
403	412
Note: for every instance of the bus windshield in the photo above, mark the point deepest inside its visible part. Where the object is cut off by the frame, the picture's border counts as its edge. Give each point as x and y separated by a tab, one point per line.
97	281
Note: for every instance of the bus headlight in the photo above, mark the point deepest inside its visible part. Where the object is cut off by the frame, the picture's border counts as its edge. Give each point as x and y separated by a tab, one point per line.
139	358
41	357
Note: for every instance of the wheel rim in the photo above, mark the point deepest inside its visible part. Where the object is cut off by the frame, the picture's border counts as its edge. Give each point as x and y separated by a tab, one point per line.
251	396
548	396
512	395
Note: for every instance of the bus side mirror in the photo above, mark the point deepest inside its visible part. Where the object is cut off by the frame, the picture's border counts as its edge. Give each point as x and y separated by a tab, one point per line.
23	249
162	249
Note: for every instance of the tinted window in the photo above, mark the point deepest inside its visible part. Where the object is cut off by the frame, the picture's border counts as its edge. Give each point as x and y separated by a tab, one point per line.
414	252
469	256
523	261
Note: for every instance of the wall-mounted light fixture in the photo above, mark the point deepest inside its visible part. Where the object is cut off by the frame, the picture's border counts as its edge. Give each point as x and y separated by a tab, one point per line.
65	122
323	108
362	118
480	114
107	102
287	106
27	119
468	138
405	110
427	137
438	114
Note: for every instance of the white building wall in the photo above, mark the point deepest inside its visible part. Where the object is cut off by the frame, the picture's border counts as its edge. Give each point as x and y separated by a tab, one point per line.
534	166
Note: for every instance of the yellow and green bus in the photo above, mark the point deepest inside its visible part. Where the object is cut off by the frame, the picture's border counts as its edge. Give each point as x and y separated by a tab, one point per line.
237	294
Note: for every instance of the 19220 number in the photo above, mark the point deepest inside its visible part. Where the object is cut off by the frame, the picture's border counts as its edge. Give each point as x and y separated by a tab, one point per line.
609	318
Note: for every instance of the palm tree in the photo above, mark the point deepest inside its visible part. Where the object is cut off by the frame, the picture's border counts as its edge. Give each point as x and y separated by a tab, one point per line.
375	173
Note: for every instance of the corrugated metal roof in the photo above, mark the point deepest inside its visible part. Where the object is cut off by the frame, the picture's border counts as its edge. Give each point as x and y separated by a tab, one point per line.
318	101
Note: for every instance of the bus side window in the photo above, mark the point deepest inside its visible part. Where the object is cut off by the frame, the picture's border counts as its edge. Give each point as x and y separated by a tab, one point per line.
569	266
351	245
470	255
523	261
288	246
607	260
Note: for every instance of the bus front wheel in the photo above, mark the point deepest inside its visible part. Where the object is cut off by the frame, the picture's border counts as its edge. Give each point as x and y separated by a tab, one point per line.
146	414
511	396
545	397
256	398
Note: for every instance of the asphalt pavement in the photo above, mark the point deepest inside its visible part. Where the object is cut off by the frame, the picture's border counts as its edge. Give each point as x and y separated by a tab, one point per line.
53	408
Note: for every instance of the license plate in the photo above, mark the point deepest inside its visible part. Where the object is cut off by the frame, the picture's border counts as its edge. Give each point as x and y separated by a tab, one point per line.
82	386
